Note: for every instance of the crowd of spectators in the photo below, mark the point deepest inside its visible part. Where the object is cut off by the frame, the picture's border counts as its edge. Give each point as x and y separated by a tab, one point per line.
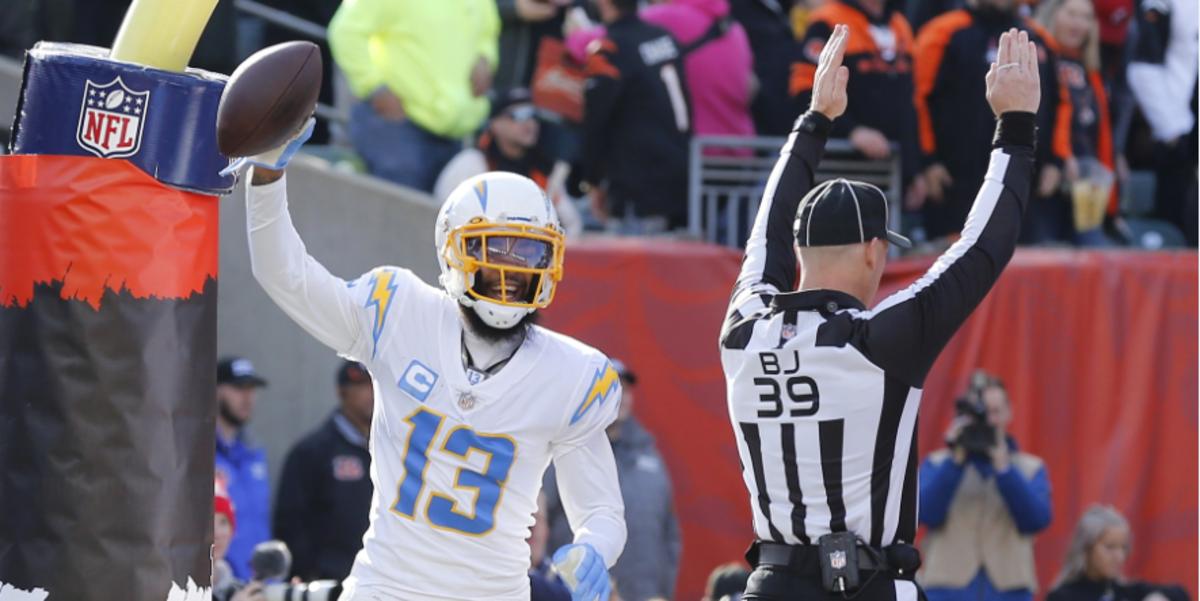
616	89
619	88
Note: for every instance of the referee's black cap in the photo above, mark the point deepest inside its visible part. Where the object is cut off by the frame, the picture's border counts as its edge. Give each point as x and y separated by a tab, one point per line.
840	211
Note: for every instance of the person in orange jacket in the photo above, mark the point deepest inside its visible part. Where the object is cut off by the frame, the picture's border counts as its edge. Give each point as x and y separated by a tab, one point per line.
879	57
1075	31
952	55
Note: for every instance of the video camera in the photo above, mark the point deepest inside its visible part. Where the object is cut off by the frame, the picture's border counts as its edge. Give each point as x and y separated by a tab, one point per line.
271	563
978	436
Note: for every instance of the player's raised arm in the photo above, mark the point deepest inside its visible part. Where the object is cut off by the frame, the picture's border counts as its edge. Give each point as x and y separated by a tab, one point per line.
320	302
264	117
910	328
769	265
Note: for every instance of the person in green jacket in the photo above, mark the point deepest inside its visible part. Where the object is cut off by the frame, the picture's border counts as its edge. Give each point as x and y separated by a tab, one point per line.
420	71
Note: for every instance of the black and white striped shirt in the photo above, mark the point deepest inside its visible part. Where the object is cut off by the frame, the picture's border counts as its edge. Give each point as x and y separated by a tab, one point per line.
823	393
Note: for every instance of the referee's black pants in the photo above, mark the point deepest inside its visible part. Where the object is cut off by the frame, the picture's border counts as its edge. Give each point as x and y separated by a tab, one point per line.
801	581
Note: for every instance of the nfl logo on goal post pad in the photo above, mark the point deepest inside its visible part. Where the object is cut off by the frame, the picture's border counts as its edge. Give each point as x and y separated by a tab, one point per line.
77	102
111	118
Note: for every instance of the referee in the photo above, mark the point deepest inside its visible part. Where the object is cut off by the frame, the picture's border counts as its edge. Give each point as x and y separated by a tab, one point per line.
823	393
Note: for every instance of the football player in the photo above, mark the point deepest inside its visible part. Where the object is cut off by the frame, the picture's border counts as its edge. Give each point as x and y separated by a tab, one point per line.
475	400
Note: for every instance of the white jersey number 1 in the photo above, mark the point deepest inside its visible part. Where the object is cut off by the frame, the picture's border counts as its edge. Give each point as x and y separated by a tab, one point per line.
675	90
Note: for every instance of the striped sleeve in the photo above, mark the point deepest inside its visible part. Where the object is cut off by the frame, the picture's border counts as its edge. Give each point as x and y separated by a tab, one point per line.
909	328
769	265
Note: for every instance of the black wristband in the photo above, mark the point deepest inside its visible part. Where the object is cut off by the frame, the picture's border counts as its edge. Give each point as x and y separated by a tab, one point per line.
1016	128
814	123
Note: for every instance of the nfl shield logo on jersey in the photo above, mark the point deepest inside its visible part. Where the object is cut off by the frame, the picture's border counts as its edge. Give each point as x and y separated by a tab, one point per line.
111	118
837	560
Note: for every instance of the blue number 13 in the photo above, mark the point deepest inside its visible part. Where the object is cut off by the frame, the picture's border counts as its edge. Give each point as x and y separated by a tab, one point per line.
487	486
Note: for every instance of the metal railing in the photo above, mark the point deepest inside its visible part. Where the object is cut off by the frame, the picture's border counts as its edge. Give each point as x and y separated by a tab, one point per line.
10	89
724	189
291	22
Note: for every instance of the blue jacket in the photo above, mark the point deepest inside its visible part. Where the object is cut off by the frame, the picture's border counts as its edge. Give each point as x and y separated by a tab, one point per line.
980	589
1027	501
243	469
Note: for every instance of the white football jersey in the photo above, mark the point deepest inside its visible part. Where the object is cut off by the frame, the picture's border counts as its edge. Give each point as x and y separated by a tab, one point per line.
457	464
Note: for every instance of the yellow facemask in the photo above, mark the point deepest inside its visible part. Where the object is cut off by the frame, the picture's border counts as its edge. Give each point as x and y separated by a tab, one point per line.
508	249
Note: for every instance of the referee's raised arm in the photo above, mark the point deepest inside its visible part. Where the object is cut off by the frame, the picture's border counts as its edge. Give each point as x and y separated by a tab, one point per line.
769	266
910	328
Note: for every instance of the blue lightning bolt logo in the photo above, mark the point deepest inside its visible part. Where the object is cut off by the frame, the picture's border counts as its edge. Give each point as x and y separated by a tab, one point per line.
481	192
383	288
604	382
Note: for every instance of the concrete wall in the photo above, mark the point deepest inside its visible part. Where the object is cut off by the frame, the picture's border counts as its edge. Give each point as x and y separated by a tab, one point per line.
350	224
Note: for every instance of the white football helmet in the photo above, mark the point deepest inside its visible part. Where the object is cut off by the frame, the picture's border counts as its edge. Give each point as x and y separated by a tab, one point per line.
502	222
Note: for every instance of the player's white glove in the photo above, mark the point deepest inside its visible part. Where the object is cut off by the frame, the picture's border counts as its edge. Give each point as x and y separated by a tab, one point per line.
276	158
583	571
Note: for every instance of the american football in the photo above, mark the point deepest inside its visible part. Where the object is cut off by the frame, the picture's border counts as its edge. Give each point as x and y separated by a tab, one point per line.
268	98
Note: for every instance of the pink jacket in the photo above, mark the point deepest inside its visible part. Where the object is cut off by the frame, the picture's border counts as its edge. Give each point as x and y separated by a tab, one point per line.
718	73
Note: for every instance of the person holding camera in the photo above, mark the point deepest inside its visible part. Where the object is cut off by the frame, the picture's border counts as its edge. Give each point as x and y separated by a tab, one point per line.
225	585
982	500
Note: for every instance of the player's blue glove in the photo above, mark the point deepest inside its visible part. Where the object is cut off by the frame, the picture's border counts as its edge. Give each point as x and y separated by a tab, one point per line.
583	571
276	158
